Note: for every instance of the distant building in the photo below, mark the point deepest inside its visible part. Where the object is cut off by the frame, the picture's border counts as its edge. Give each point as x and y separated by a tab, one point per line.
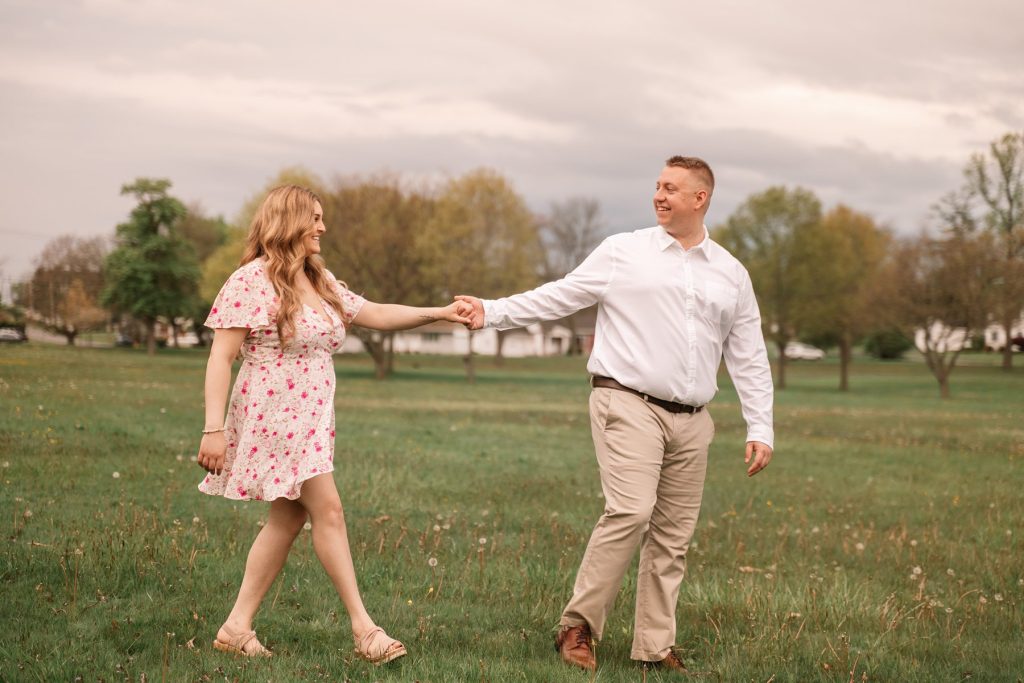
554	338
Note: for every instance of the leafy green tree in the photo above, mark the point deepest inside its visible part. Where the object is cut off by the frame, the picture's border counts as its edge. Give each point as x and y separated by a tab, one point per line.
372	244
482	240
992	199
765	233
839	257
152	272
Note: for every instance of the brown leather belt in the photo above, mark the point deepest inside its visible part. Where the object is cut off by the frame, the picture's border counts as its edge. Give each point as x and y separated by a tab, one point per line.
608	383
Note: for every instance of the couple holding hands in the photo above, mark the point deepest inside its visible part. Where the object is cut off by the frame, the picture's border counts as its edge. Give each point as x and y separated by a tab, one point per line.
671	304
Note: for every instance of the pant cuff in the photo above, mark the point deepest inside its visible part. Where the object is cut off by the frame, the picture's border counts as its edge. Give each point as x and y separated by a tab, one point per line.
576	621
647	656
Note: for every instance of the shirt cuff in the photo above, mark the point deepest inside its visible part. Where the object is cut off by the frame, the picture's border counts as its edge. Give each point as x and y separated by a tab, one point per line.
490	315
765	435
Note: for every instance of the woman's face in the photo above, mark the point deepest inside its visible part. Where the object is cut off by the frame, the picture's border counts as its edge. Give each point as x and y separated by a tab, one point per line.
312	240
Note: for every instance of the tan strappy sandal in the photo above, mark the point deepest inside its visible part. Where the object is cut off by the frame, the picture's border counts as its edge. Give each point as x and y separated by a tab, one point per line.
378	648
236	645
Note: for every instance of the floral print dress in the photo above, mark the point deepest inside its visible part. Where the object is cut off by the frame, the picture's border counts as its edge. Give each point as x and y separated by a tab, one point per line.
280	421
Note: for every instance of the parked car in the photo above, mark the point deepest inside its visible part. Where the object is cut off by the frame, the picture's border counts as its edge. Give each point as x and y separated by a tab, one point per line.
13	333
801	351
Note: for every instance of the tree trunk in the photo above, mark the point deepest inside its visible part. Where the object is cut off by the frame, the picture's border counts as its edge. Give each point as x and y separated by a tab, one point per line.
174	332
70	336
943	385
468	360
151	337
374	347
1008	349
499	358
575	348
780	383
845	353
389	340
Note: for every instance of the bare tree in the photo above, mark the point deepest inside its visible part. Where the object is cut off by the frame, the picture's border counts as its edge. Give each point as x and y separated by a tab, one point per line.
573	229
936	292
992	199
67	280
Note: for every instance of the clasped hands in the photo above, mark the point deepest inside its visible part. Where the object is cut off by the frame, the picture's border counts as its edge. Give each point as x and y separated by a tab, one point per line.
467	310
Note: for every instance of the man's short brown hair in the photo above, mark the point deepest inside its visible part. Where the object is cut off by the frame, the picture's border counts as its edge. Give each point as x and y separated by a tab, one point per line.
695	164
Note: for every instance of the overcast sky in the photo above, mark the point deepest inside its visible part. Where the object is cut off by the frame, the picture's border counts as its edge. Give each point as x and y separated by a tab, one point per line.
875	104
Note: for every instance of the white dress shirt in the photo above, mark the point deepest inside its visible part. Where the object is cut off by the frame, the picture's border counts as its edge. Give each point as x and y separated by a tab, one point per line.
666	316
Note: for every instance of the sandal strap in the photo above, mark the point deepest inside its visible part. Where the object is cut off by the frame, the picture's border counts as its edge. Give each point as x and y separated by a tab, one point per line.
377	639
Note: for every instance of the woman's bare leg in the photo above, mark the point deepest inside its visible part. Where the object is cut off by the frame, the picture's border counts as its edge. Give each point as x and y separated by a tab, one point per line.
330	540
266	559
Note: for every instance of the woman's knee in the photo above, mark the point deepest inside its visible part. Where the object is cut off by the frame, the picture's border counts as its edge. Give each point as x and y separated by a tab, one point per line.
289	519
328	514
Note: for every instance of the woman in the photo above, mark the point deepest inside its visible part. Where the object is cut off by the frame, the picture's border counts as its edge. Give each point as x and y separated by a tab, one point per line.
287	314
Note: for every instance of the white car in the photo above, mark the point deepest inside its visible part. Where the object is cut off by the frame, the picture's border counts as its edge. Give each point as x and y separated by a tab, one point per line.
801	351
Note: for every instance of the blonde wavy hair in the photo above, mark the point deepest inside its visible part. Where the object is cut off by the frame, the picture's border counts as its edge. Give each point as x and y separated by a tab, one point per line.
277	232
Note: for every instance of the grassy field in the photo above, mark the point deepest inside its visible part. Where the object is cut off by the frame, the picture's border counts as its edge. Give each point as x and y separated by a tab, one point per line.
884	543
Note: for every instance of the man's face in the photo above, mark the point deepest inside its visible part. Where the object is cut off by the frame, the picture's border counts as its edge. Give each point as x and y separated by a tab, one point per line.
678	196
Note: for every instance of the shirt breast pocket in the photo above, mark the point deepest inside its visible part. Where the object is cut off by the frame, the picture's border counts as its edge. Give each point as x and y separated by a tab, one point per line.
719	302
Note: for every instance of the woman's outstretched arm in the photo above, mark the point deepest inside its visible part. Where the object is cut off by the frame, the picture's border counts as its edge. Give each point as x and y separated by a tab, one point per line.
398	317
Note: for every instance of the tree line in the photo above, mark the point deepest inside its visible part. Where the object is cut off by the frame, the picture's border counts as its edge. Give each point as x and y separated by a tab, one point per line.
835	277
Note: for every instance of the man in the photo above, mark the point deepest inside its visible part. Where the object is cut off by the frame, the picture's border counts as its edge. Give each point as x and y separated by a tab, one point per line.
671	303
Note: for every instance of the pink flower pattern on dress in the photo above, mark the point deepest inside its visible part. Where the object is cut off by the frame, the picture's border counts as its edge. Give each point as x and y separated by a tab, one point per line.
272	415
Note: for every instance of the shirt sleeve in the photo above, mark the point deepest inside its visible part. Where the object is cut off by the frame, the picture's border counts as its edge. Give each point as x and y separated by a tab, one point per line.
746	358
351	303
581	288
244	301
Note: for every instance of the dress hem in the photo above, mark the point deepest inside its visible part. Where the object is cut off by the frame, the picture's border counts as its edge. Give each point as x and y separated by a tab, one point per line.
231	495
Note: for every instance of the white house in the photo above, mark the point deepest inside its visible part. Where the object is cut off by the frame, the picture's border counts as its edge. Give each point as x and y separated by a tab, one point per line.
945	338
444	338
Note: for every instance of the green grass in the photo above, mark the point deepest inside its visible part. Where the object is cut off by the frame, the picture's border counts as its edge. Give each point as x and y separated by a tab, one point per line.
884	540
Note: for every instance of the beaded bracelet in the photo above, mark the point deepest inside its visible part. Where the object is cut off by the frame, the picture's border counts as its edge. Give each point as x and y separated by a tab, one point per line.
212	431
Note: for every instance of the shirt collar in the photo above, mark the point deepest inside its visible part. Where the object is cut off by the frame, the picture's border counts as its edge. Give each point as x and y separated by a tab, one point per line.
665	240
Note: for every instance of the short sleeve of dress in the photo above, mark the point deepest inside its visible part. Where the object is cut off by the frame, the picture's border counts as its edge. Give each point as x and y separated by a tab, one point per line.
244	300
351	303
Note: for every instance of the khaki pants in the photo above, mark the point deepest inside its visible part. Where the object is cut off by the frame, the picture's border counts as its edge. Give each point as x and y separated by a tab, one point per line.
652	466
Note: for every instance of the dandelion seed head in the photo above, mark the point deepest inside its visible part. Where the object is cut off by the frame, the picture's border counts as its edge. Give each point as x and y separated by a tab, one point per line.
815	530
860	547
983	600
949	610
307	526
769	576
27	514
195	520
437	527
1009	532
116	475
482	540
913	543
6	464
432	562
916	571
998	597
950	572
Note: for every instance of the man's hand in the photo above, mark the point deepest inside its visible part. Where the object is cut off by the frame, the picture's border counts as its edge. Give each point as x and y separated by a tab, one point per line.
760	454
476	317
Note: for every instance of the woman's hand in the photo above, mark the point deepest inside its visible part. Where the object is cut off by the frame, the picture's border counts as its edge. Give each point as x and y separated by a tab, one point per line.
212	451
457	312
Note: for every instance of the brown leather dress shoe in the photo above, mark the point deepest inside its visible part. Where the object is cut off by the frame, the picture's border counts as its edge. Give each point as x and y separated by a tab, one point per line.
672	662
574	644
